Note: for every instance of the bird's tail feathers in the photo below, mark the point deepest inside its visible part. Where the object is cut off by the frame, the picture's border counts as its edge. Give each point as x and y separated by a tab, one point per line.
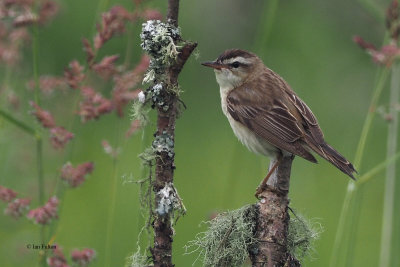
334	157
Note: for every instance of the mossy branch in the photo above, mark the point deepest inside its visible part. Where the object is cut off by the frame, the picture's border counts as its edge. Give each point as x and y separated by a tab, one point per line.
168	53
272	226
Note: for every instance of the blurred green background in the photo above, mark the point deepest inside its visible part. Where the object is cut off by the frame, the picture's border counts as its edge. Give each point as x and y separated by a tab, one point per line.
308	42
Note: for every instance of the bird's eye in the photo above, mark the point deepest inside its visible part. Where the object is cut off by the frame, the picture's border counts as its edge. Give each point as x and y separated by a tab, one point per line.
235	64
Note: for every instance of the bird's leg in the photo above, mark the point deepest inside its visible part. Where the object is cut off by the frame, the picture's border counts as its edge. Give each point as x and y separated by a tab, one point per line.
263	184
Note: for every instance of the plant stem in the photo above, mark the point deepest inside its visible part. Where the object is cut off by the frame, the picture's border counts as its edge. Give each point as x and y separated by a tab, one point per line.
22	125
378	168
111	210
352	186
370	116
389	195
39	144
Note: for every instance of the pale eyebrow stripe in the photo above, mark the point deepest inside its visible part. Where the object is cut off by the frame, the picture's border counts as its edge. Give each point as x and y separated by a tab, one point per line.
241	60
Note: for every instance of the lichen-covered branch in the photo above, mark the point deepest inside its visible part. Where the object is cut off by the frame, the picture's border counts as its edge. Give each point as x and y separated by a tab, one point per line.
168	53
273	221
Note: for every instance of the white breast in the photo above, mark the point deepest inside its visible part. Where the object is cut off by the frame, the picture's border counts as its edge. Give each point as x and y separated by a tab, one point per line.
253	142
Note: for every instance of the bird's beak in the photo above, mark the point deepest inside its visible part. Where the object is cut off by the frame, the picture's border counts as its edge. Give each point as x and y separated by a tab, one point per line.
214	65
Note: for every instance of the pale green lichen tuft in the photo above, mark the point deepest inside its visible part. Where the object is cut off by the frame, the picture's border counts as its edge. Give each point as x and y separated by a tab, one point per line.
148	156
139	112
228	238
158	41
302	235
138	259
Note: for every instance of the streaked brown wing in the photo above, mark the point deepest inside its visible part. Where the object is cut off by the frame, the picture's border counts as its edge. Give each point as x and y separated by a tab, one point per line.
311	121
268	118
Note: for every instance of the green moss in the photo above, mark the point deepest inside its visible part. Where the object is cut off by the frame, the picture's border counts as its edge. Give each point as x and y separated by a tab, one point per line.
138	259
302	235
140	113
228	238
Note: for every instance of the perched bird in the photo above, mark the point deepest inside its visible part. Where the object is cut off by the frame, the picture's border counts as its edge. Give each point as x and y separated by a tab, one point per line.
266	114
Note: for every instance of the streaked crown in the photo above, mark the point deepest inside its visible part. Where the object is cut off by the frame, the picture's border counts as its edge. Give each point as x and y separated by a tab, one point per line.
234	66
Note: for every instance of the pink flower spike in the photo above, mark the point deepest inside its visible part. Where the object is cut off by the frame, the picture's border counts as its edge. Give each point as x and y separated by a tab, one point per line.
48	9
58	259
17	207
89	51
363	44
7	194
59	137
83	257
44	214
74	74
93	105
43	116
106	68
112	23
76	176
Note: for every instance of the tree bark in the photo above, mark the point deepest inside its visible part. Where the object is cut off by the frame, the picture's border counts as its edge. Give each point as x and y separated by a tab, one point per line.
163	232
273	220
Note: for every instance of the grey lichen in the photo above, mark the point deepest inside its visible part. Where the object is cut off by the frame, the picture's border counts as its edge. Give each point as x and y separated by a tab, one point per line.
158	41
164	143
158	97
169	201
302	235
137	260
227	239
139	112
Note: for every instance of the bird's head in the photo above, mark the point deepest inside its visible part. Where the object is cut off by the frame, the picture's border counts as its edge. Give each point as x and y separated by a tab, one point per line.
234	67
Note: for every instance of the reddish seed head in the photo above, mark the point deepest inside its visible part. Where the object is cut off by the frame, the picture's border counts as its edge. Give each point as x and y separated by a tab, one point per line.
74	74
363	44
44	214
112	23
75	176
93	105
7	194
48	10
384	56
106	67
43	116
89	51
58	259
83	257
17	207
59	137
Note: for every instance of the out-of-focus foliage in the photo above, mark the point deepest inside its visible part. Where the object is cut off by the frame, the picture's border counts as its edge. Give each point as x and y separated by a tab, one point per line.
310	45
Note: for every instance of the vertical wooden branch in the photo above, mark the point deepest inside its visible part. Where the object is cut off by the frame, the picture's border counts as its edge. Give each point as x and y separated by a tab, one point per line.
273	221
163	232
